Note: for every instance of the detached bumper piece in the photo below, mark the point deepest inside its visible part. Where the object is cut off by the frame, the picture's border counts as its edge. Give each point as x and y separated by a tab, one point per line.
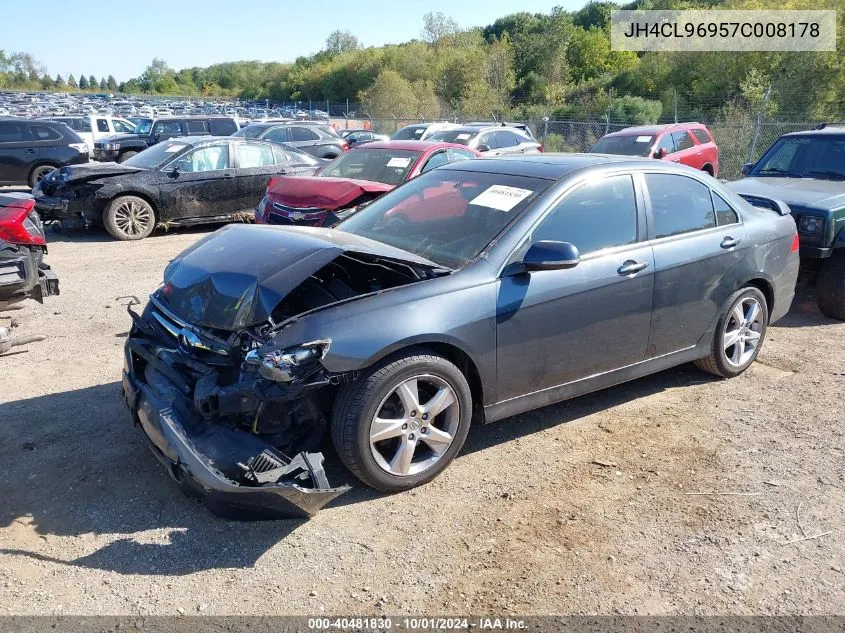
23	276
236	473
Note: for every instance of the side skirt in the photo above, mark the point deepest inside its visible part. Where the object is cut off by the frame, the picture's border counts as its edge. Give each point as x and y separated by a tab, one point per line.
550	395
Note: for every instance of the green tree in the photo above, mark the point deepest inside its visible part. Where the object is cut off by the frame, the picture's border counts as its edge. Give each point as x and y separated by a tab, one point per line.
438	25
71	82
60	82
111	82
341	42
47	82
103	84
92	81
391	95
635	110
83	82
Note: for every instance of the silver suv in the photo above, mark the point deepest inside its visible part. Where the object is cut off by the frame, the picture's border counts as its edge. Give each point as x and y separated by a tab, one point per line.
491	140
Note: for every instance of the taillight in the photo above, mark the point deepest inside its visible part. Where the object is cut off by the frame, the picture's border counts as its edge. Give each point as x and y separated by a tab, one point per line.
344	146
19	224
541	149
796	244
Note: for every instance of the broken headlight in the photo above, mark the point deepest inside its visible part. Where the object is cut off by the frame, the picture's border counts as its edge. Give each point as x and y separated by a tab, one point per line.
288	364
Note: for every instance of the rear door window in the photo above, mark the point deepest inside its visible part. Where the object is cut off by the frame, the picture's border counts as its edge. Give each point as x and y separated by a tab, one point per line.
197	127
724	213
222	127
682	141
679	204
595	216
103	125
251	155
505	138
666	143
44	133
171	128
302	134
208	158
277	134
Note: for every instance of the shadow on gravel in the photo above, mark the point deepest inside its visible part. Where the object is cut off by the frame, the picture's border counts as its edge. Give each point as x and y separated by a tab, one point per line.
804	311
97	234
72	464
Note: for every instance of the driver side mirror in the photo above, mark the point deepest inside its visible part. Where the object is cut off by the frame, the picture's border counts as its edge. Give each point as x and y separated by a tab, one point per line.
660	154
550	255
746	169
483	148
174	172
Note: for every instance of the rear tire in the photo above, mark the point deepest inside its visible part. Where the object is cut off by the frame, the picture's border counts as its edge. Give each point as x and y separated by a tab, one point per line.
129	218
707	169
330	156
431	439
739	334
125	156
830	286
38	172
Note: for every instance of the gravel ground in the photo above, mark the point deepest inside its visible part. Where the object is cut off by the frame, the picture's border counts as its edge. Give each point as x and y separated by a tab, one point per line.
525	521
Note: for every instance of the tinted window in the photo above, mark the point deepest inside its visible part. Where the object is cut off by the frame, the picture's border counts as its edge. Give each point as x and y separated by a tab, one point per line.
627	145
167	127
102	125
302	134
816	156
360	136
255	155
196	127
390	166
679	204
666	143
208	158
44	133
724	214
461	137
488	139
506	139
13	132
595	216
222	127
701	135
682	141
250	131
413	132
437	160
277	134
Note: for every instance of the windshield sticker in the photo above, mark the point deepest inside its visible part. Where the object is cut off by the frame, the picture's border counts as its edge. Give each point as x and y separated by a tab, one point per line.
462	137
643	139
175	148
501	197
399	161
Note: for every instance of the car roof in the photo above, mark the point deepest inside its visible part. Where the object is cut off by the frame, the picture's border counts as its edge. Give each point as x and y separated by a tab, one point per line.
828	130
656	129
198	140
552	166
411	146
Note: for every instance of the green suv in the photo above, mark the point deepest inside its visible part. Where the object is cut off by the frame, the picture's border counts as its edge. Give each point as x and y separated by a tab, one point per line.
806	170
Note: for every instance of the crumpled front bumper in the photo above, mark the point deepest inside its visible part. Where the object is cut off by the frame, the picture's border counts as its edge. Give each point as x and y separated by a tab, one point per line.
183	449
54	207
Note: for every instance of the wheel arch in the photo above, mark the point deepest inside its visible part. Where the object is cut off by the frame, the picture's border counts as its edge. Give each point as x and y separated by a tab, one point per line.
449	350
764	286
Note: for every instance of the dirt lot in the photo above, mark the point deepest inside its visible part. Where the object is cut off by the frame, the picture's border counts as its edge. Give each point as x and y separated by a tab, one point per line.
524	521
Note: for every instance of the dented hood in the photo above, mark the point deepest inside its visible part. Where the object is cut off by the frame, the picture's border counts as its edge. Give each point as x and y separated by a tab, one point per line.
322	193
92	171
235	277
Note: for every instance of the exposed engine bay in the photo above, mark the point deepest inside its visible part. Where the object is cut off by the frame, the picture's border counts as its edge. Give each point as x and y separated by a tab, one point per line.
227	411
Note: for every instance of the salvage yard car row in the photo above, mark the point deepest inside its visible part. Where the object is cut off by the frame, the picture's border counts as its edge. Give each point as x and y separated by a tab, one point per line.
510	274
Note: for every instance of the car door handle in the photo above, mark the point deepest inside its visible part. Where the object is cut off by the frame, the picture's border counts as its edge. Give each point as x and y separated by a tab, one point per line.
631	267
729	242
30	151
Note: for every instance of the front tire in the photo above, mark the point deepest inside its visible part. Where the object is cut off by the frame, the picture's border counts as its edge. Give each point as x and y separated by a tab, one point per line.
739	334
129	218
830	286
403	422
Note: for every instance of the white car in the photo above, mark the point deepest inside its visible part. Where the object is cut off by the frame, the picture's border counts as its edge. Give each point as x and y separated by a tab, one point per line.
94	127
421	131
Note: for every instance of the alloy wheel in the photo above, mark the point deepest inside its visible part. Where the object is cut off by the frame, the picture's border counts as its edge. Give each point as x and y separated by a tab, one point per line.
414	425
133	218
743	332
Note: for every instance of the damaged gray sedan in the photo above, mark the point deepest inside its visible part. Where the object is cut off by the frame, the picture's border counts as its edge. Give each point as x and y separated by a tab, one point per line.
474	292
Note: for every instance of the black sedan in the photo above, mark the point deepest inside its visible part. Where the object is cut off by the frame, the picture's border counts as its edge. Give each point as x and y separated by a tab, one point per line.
184	181
476	291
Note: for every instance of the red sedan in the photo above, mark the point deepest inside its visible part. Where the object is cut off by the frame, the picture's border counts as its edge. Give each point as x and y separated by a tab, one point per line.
358	176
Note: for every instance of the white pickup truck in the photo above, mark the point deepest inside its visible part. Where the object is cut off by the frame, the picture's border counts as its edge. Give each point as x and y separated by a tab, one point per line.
92	127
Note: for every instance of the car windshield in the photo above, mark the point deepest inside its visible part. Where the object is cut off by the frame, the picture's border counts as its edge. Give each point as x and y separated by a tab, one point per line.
250	131
804	157
143	126
410	133
156	155
390	166
446	216
462	137
627	145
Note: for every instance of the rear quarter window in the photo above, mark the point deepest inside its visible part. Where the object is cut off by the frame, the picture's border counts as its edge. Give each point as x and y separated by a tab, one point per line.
196	127
45	133
222	127
702	136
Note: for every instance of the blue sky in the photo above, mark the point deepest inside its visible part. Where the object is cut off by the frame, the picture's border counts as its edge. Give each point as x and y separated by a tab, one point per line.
121	38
